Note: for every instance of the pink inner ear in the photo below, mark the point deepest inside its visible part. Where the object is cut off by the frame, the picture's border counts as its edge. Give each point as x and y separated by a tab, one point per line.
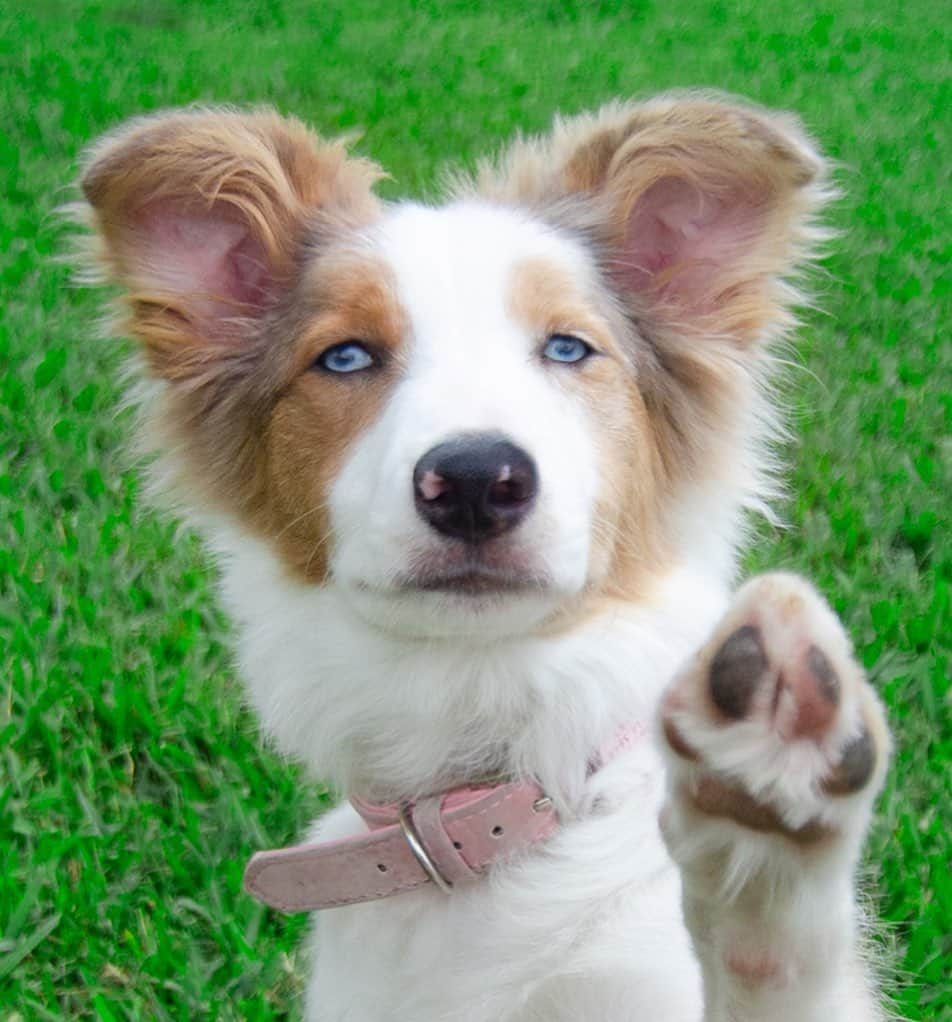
212	263
686	246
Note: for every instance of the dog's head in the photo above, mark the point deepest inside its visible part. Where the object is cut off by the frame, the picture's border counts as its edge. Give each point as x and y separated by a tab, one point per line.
472	417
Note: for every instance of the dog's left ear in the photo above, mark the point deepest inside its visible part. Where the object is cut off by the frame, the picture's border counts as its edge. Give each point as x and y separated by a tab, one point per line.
204	216
701	206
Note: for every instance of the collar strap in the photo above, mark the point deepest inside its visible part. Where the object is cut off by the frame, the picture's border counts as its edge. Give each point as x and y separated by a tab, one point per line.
440	840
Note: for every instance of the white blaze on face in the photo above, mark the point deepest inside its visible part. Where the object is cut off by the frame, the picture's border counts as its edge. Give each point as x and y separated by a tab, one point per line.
470	368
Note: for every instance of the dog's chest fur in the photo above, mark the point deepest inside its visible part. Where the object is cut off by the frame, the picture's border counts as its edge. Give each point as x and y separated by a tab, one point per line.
392	718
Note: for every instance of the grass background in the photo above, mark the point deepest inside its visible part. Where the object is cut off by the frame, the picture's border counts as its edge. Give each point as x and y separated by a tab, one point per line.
132	785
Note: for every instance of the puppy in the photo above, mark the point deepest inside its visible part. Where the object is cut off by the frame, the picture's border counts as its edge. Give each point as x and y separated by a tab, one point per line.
476	476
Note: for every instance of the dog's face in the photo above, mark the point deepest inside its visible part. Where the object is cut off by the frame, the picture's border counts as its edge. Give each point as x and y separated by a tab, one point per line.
470	418
496	399
474	485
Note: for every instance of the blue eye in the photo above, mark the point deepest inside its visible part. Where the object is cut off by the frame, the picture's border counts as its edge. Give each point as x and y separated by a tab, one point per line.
349	357
565	348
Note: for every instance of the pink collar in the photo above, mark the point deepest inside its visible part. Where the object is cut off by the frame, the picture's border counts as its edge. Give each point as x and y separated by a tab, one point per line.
443	839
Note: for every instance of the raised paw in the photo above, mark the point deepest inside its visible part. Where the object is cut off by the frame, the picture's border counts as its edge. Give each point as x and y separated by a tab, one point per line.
772	728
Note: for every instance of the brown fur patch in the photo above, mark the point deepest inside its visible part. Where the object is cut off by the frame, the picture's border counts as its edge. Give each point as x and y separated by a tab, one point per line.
627	540
267	443
320	415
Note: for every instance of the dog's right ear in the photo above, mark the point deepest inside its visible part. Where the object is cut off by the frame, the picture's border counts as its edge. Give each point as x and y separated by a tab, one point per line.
201	216
702	206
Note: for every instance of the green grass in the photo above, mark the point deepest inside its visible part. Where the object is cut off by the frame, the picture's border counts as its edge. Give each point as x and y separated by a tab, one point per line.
132	785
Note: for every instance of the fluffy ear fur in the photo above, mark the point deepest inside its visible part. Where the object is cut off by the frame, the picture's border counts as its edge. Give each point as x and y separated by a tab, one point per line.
201	216
702	206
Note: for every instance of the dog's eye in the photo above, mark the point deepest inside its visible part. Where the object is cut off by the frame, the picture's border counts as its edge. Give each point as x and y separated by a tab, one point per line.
565	348
349	357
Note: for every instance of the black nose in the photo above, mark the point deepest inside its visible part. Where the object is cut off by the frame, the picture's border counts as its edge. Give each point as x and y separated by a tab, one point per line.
474	487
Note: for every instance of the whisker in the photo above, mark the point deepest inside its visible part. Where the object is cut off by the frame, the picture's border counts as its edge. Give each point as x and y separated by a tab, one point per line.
294	521
317	547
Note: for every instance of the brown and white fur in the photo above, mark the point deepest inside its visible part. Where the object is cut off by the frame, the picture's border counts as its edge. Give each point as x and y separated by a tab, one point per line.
395	658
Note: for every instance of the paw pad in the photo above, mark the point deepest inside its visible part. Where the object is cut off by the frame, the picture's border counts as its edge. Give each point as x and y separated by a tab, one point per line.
817	692
805	694
736	672
855	768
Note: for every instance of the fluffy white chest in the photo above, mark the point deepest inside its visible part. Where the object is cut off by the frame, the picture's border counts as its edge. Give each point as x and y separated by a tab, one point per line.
389	717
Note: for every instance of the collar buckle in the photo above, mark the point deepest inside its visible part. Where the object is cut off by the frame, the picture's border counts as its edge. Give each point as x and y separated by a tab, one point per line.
420	853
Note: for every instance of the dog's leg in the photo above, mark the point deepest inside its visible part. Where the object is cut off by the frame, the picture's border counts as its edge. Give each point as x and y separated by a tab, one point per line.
777	747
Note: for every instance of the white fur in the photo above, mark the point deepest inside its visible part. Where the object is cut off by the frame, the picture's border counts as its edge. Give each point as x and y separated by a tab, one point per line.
394	694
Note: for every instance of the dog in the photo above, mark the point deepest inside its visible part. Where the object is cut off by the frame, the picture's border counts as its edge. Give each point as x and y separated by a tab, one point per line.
477	477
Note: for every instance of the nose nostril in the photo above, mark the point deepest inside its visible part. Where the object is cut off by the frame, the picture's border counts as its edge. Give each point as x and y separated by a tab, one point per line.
508	493
432	486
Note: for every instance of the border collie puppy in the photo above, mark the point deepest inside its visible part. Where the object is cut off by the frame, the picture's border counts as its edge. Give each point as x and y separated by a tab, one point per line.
476	476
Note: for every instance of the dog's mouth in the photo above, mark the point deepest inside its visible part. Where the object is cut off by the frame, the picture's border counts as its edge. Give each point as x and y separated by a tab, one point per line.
475	574
474	583
491	589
